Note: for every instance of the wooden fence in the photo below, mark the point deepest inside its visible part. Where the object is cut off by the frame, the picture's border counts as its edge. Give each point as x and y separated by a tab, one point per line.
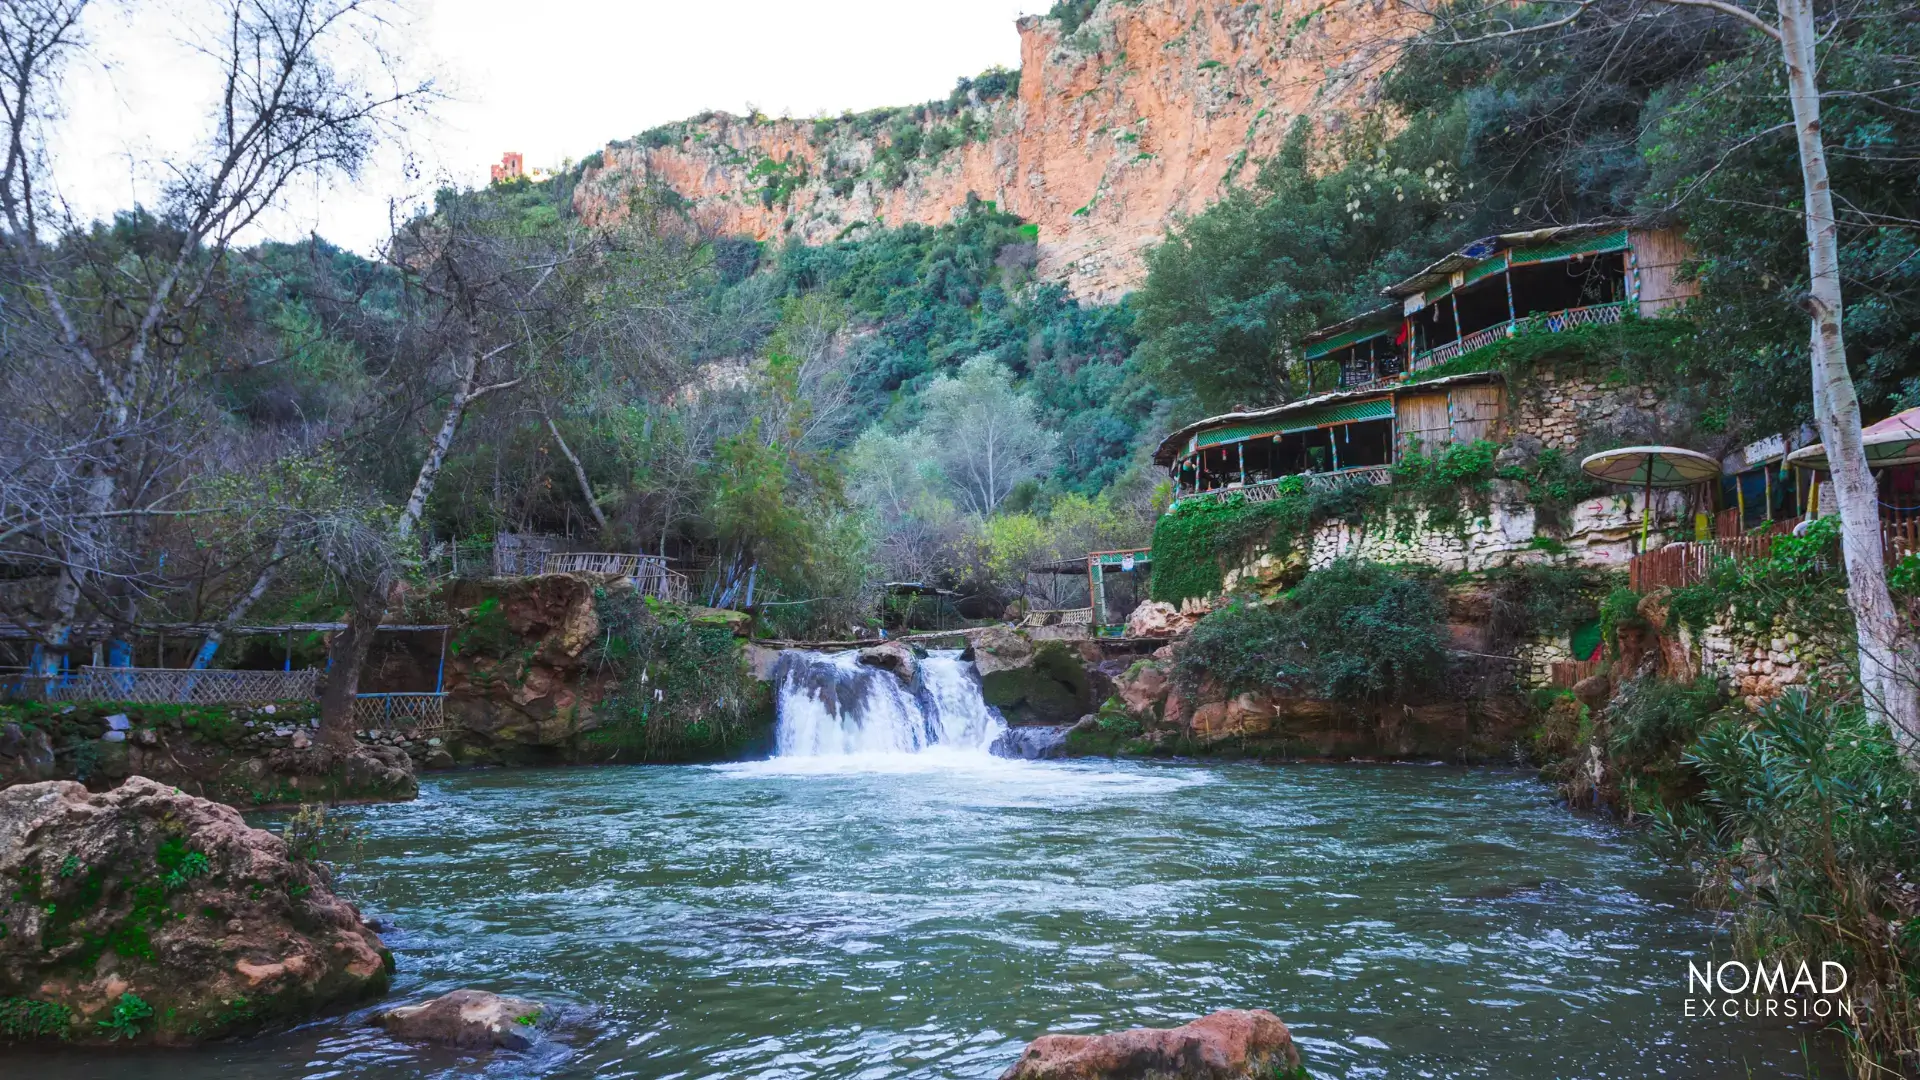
1566	673
1678	565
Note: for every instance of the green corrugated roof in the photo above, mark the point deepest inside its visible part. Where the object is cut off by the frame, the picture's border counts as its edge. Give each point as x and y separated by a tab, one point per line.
1340	341
1566	249
1491	266
1305	420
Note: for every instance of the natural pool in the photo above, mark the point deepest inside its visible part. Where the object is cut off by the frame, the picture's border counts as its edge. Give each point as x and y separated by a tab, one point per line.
925	915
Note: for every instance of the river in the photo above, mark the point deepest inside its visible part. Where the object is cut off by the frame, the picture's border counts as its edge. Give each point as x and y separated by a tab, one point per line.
924	915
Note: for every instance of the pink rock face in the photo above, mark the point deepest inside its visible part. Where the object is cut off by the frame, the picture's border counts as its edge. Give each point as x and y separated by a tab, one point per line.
176	901
1233	1044
1146	113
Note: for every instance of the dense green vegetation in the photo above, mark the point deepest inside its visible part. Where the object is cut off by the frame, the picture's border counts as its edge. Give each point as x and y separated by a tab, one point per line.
1353	632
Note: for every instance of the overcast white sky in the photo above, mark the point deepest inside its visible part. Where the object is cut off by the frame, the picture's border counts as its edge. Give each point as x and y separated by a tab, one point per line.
554	79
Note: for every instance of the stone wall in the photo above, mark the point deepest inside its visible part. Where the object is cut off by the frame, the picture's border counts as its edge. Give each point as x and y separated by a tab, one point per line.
1757	663
1602	531
1563	408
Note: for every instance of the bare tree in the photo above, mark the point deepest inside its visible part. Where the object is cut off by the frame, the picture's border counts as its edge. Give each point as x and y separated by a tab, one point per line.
1889	667
107	322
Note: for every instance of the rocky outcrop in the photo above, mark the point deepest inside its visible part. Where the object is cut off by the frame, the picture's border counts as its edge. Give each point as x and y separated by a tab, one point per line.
1159	619
145	915
1031	682
1233	1044
250	756
1480	727
1145	113
522	680
469	1019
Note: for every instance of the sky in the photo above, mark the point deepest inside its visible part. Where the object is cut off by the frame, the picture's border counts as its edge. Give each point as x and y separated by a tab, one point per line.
553	79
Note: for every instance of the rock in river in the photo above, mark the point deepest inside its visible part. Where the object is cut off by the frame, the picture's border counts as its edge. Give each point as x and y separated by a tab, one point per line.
146	915
473	1019
1233	1044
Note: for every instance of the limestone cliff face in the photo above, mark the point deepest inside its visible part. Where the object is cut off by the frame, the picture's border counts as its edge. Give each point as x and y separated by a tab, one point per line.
1146	112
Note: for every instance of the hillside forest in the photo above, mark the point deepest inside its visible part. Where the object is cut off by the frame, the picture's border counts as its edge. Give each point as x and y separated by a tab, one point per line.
200	430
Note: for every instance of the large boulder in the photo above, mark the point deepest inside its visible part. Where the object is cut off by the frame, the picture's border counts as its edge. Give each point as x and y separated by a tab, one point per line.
1157	619
1143	687
1233	1044
890	656
469	1019
1031	682
147	915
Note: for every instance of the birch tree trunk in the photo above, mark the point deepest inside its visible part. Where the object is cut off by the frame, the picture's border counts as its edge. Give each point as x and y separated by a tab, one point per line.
580	477
348	649
241	606
1888	676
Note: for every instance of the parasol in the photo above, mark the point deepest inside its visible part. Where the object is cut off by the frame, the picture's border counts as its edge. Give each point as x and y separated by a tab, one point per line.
1650	467
1893	441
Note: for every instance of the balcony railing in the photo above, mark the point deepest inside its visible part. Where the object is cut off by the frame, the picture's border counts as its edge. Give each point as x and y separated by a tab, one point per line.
1267	490
1552	322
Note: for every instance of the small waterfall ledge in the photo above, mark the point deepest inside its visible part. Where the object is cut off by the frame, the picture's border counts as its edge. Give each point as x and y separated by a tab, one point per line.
831	704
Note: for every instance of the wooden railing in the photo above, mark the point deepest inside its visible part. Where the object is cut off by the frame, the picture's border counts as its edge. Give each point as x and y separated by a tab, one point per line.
1080	616
1679	565
650	574
1551	321
1266	490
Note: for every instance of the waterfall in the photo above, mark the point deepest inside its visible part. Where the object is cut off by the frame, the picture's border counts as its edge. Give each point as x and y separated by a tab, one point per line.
830	704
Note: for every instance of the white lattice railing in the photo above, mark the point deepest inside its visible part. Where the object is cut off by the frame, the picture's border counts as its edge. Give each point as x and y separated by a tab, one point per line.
184	686
411	713
1267	490
1552	322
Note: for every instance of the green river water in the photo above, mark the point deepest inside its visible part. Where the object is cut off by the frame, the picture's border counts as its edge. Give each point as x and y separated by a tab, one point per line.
925	915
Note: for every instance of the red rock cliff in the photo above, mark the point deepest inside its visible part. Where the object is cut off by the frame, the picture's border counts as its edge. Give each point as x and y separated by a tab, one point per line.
1147	112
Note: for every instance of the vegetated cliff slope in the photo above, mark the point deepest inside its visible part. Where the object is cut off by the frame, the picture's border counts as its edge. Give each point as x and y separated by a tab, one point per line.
1146	111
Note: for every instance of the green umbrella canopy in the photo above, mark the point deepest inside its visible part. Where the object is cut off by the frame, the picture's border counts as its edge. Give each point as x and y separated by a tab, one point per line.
1893	441
1651	466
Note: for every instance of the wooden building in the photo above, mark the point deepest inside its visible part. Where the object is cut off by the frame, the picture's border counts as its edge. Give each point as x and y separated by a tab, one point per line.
1407	381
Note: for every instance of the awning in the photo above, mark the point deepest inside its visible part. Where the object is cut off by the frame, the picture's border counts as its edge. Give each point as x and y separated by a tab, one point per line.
1348	412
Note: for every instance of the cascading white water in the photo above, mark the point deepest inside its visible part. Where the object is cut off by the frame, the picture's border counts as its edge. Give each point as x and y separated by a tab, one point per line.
833	705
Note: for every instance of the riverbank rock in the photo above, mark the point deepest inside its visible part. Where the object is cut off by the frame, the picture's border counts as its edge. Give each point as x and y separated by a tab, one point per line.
1031	682
149	916
1233	1044
890	656
250	756
1031	743
470	1019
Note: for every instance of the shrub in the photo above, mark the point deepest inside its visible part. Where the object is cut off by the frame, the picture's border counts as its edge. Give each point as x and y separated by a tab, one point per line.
1805	836
685	689
1352	632
1651	721
1193	545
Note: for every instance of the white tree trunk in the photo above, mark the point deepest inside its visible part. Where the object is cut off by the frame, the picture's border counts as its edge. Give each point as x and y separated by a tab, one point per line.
580	477
1888	675
241	606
